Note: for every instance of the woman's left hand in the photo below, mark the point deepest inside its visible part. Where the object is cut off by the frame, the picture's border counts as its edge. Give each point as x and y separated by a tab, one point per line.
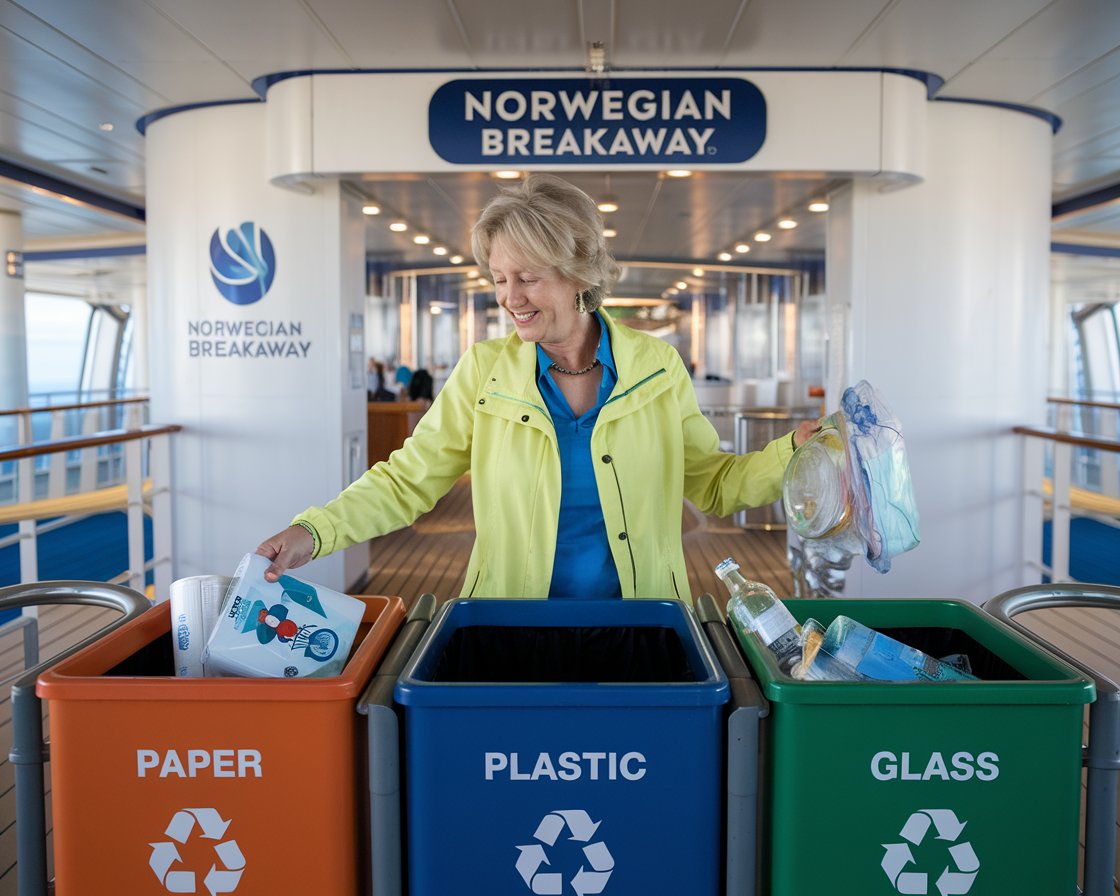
805	430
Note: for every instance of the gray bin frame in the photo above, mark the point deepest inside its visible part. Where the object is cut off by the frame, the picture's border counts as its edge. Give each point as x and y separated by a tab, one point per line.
383	728
1101	757
745	710
29	752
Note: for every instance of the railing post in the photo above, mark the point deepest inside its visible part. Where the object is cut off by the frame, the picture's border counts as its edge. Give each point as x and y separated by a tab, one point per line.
25	491
134	477
1060	514
28	552
87	457
1033	471
161	514
56	469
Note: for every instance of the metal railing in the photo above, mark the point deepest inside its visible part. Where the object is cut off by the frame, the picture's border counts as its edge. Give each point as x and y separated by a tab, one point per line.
1101	756
74	471
147	456
1046	448
28	750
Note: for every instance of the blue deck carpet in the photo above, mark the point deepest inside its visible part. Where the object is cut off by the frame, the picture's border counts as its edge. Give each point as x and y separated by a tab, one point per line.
1094	553
94	549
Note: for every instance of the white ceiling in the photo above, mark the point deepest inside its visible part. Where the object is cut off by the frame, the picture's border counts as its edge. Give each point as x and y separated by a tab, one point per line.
68	67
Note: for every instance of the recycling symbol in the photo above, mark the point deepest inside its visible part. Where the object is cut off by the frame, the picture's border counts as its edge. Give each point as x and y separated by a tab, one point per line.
225	871
595	867
960	868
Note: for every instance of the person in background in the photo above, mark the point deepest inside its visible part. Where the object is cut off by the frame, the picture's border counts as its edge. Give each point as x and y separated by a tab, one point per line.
581	436
402	377
375	382
420	386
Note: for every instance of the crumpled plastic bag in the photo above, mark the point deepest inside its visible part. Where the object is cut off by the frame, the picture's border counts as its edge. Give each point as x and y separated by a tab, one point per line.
886	515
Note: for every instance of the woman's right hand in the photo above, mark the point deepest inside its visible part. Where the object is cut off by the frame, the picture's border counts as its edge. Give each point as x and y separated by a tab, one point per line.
287	550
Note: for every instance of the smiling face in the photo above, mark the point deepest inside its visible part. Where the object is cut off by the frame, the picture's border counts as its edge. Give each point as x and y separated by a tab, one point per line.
541	303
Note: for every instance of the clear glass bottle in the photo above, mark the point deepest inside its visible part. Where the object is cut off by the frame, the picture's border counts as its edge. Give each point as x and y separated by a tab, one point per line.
755	611
850	651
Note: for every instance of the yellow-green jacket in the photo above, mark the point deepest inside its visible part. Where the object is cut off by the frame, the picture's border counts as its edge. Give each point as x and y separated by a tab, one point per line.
650	447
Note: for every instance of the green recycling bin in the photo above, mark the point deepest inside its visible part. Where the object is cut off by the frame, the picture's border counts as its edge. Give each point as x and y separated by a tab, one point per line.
944	789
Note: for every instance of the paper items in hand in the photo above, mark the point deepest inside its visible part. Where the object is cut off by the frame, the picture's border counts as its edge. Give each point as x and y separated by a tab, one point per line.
288	628
195	604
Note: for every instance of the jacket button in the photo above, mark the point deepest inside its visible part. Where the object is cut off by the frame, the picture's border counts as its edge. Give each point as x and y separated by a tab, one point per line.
482	401
622	536
607	458
525	419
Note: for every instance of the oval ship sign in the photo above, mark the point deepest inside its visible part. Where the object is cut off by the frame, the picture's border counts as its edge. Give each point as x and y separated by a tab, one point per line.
601	121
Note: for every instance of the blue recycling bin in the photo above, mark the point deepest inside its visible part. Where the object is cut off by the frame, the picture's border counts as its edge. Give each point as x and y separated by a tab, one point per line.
563	747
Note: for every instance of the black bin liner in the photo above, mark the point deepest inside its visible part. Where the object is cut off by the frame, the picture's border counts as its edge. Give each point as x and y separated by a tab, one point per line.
942	642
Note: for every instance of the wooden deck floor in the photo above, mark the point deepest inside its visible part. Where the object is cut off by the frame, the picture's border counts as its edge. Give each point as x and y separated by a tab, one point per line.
431	557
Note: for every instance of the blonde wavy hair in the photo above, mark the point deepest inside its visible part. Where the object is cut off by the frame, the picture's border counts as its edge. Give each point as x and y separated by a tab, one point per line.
550	223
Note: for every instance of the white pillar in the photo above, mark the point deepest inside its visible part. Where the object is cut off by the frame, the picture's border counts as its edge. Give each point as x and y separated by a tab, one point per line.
938	297
13	326
271	393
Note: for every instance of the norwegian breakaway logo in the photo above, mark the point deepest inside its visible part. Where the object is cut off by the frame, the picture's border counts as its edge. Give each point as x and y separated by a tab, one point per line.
242	263
243	267
570	120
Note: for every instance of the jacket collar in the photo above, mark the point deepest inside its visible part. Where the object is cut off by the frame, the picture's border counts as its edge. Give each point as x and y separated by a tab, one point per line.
516	365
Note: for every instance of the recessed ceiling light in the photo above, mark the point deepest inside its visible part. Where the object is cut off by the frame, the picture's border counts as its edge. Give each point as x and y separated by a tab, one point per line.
680	284
678	172
398	226
421	239
697	272
608	232
608	205
371	209
439	250
742	247
762	237
456	259
507	175
818	205
725	256
787	224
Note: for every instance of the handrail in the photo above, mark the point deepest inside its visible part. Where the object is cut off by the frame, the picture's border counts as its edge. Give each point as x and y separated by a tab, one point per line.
74	407
28	751
1102	754
1085	403
1064	442
73	443
159	495
1066	437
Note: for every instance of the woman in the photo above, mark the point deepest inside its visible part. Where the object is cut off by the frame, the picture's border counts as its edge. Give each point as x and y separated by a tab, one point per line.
581	436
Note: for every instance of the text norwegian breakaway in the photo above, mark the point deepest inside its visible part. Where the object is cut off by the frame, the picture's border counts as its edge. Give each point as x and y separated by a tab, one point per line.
673	109
246	339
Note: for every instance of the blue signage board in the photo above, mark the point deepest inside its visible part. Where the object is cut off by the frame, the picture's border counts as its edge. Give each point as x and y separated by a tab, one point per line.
583	121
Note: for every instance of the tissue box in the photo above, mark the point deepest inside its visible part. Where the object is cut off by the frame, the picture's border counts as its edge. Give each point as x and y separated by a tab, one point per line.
288	628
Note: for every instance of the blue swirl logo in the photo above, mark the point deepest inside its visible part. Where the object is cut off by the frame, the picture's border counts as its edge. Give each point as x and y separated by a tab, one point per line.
242	263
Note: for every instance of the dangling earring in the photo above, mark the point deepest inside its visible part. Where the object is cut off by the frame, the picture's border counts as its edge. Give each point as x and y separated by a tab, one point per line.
581	303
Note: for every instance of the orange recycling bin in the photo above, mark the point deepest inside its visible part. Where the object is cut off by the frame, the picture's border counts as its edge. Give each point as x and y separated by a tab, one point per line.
207	785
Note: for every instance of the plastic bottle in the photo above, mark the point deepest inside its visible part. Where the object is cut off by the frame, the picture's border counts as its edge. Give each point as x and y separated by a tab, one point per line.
850	651
755	611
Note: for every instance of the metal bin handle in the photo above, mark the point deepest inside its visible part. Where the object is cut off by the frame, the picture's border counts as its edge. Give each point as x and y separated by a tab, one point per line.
29	752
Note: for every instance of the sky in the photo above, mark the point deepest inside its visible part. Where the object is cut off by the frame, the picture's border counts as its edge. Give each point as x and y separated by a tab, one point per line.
56	333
